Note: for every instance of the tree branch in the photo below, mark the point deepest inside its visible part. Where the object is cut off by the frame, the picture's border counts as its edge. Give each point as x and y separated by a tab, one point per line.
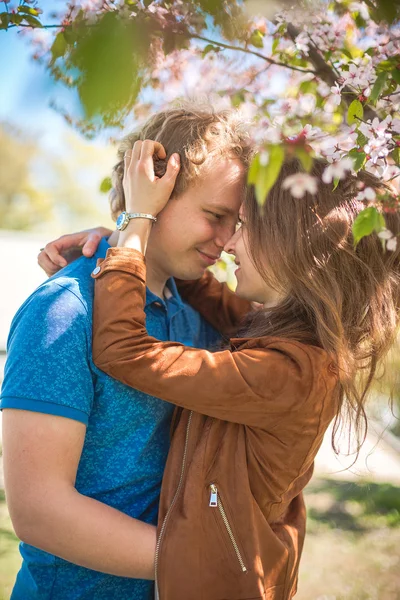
253	53
325	72
33	26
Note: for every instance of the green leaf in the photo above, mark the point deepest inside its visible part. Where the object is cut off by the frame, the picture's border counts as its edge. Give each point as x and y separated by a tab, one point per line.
359	21
359	158
33	21
355	112
253	170
263	177
307	86
238	99
4	20
108	84
257	39
367	221
396	75
275	44
28	10
305	158
396	155
347	53
361	139
387	10
15	18
386	65
210	48
59	46
378	87
336	182
106	185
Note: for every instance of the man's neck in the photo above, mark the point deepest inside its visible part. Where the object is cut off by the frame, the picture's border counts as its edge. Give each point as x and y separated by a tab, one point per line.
155	280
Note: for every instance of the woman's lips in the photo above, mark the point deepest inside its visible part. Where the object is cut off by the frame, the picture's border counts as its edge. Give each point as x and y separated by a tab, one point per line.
209	260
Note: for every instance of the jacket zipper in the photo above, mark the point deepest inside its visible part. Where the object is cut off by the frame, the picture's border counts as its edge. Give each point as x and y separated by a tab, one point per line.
215	501
178	489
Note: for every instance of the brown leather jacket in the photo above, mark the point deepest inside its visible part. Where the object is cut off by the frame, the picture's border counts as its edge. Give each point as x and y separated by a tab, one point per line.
232	516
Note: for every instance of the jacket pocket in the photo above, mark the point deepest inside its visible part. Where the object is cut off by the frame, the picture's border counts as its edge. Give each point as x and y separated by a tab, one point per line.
216	503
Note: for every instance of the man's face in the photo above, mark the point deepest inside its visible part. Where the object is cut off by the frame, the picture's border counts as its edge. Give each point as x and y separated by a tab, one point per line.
193	228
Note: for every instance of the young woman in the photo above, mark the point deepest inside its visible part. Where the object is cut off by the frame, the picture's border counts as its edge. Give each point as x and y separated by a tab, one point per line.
252	416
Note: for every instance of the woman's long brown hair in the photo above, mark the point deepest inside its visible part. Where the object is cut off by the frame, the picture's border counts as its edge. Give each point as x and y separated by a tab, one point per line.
342	298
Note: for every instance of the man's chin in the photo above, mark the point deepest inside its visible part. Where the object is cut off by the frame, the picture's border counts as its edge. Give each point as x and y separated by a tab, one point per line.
189	273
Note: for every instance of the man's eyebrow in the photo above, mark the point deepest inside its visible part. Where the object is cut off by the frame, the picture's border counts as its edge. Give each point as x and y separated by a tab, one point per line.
224	209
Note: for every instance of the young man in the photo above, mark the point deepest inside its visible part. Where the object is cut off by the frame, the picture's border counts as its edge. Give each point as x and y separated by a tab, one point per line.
84	454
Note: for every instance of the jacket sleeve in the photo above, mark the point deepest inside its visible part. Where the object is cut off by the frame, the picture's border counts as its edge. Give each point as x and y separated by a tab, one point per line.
245	386
215	302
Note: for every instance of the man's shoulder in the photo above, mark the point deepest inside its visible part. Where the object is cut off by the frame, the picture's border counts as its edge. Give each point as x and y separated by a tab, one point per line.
69	291
74	278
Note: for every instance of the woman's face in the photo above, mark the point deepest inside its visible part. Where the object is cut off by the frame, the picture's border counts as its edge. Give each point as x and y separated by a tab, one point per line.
250	284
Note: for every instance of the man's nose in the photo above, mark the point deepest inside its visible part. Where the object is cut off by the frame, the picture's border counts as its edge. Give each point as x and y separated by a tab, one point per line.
223	236
229	247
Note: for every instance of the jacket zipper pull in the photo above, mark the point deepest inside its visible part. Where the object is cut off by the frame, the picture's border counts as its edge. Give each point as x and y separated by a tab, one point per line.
213	495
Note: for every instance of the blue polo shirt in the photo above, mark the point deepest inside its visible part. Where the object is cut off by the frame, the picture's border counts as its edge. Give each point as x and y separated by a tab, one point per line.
49	369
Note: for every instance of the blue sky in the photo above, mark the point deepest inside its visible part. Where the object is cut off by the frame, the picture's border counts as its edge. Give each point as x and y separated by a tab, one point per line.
26	91
26	88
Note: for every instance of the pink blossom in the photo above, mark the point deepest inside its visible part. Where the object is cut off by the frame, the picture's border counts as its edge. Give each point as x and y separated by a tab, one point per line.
385	234
376	148
391	172
299	184
377	167
375	128
337	170
361	8
388	239
367	194
336	94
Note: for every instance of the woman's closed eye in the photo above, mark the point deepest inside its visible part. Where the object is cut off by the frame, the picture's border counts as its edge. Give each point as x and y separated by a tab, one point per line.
240	223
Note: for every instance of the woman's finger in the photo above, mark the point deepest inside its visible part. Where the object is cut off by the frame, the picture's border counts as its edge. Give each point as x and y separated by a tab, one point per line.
137	148
173	166
130	155
149	149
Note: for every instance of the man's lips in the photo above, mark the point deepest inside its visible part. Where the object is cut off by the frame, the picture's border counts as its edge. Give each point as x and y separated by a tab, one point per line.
208	258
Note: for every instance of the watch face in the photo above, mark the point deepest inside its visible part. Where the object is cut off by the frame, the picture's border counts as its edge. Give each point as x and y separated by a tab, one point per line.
121	220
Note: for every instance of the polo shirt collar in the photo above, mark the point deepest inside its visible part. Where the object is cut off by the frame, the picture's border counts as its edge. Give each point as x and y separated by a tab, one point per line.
174	300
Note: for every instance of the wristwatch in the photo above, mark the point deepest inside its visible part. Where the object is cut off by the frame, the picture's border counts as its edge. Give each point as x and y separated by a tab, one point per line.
125	217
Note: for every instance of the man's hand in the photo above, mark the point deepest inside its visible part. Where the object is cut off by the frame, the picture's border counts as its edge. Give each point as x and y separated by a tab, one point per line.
62	251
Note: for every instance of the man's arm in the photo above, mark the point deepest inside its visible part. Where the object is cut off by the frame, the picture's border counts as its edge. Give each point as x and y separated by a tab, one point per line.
41	457
60	252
